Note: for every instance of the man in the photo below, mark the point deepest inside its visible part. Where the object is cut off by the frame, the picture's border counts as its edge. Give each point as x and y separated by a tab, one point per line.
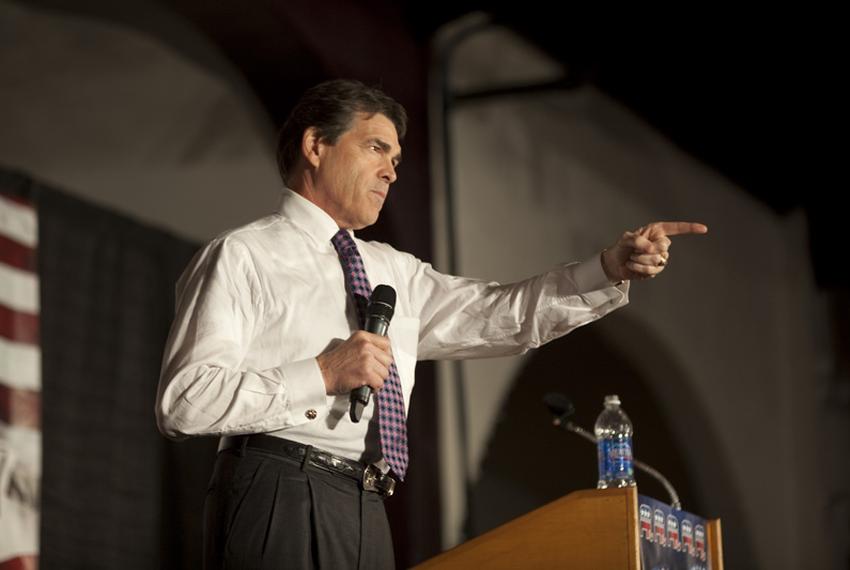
266	344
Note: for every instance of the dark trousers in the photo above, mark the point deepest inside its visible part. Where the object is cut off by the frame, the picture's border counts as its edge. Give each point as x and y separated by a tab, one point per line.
267	511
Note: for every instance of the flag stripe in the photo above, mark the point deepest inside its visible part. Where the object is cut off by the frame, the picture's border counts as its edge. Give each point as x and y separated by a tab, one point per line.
20	407
20	365
18	200
18	289
25	443
18	255
18	327
25	562
18	222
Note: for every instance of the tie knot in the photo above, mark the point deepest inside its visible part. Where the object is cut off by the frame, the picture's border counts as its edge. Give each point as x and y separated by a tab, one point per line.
343	243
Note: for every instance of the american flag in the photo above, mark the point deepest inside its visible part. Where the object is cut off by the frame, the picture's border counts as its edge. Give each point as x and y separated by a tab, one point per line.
20	385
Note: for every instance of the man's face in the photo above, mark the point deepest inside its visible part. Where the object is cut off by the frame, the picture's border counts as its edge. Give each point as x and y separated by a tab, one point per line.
354	175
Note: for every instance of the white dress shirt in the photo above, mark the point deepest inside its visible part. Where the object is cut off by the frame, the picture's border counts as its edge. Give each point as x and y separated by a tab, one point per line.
258	304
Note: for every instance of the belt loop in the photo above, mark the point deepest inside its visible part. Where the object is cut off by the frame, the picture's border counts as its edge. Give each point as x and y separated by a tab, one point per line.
243	443
308	452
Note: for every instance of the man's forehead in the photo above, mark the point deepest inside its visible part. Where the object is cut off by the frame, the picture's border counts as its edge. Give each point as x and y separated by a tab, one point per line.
377	125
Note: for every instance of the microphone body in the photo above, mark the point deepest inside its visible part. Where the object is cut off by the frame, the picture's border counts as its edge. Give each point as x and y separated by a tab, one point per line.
378	315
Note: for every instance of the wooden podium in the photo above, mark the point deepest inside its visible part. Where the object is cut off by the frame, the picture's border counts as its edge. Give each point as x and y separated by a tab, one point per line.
592	529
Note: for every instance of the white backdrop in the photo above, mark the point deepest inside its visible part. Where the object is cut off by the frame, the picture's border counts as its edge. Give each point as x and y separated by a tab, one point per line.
546	178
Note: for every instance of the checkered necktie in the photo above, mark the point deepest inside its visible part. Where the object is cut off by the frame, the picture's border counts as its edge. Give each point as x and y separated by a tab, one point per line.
393	428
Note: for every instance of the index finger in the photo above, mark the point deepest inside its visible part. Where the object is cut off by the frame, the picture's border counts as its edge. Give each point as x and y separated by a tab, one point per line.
679	228
381	342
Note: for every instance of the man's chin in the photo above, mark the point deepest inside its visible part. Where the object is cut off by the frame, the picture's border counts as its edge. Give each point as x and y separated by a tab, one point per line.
365	222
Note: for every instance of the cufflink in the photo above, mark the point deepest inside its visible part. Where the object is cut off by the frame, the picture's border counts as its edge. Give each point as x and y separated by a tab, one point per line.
311	414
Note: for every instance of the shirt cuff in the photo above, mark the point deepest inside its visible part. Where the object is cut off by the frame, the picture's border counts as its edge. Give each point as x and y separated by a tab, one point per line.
590	276
305	389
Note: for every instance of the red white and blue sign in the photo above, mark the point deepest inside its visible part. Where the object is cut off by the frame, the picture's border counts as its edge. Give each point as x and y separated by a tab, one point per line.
670	539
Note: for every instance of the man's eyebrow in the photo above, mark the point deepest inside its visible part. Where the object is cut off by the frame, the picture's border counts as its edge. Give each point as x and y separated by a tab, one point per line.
386	148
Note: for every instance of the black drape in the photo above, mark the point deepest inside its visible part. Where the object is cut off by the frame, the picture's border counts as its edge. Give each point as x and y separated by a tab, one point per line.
115	493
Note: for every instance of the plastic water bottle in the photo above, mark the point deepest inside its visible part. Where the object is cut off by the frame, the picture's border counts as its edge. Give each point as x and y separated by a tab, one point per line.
614	446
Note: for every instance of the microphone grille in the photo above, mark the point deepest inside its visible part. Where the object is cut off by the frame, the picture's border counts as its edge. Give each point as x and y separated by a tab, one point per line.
559	404
382	302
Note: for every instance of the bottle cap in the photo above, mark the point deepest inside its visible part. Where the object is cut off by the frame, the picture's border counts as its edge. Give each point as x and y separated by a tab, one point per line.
613	400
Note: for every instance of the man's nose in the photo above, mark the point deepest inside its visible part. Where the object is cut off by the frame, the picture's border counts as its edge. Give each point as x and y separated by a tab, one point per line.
388	173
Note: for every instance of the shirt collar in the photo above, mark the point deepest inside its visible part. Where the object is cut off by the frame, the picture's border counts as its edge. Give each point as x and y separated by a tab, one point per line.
308	217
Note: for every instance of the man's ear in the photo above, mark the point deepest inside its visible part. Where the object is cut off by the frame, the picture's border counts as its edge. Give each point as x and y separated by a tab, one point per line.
311	146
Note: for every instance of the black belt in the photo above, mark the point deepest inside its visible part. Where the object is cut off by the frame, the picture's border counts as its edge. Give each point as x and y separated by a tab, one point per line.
369	476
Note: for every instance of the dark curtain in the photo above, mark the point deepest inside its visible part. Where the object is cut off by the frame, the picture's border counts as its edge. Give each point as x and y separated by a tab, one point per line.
115	494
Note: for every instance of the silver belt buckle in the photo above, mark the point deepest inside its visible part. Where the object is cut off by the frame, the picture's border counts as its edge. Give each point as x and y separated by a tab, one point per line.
374	480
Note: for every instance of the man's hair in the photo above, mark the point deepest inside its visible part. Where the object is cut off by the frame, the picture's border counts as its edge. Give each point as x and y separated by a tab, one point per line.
330	107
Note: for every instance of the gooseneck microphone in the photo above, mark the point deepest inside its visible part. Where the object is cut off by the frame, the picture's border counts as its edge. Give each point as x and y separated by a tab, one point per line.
562	408
378	315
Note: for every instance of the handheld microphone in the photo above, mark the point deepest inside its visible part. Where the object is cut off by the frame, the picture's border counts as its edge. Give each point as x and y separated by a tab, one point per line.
378	315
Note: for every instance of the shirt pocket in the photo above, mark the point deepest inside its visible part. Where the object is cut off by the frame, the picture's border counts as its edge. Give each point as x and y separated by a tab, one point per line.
404	339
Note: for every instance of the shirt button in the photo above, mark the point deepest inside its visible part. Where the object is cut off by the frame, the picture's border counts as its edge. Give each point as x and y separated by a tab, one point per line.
311	414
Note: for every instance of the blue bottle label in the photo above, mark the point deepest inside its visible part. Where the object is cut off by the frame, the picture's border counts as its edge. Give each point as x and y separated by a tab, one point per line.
615	459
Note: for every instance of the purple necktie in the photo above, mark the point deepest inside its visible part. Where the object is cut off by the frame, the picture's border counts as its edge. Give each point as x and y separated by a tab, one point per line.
393	428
